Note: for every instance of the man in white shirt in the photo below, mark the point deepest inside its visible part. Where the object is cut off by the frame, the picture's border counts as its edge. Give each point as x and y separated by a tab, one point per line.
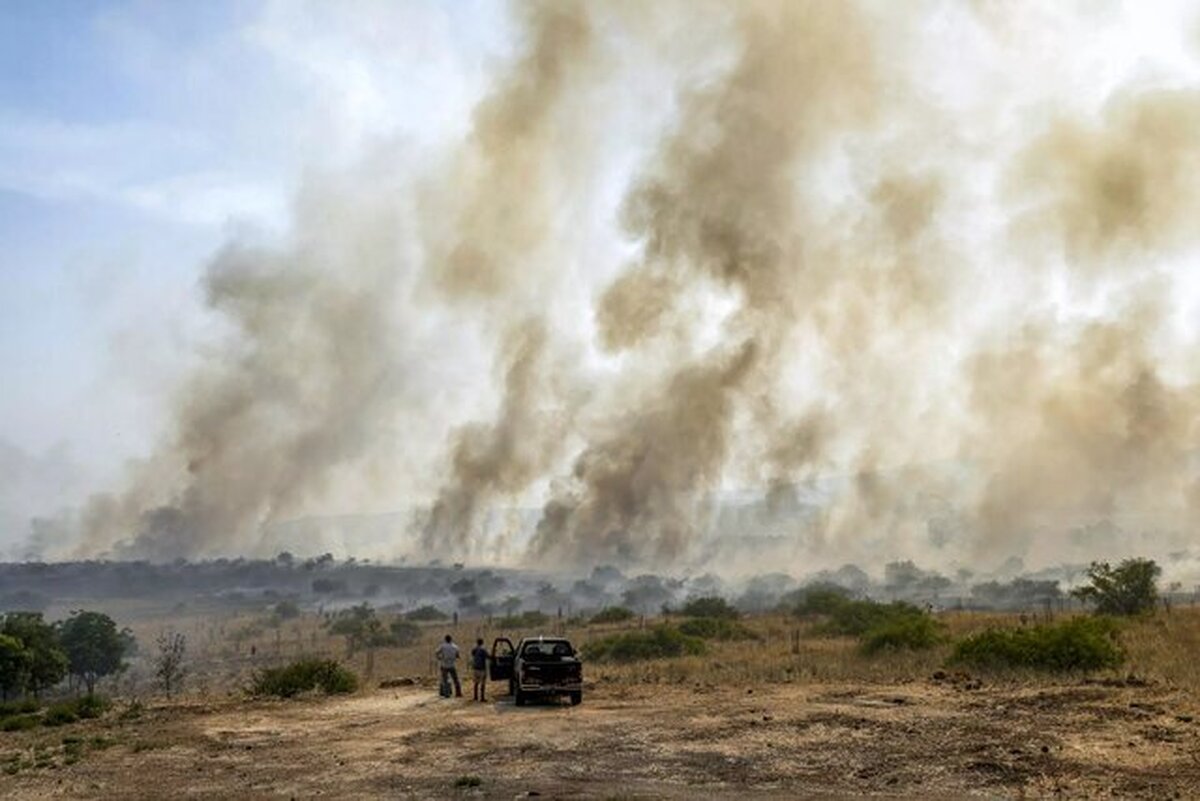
447	658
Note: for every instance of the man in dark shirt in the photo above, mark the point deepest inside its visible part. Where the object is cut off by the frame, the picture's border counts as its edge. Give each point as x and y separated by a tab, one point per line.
479	660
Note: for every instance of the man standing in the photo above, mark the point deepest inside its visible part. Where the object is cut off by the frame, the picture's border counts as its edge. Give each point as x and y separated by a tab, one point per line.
447	657
479	660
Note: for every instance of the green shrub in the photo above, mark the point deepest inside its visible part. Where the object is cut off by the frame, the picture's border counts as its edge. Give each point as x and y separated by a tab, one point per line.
19	723
716	628
712	606
634	646
613	614
1079	644
856	618
91	706
468	781
325	675
22	707
913	633
878	626
84	708
60	714
426	614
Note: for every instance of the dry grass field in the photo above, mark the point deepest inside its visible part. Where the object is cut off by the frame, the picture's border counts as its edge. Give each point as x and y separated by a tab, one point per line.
773	717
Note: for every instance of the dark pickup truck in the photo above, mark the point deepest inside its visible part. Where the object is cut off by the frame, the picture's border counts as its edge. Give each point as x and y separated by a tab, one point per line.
538	667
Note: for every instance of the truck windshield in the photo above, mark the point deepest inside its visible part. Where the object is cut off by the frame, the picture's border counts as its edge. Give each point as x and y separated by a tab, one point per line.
547	651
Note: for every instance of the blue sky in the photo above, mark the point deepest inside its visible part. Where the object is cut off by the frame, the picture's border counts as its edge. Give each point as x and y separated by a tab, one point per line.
135	137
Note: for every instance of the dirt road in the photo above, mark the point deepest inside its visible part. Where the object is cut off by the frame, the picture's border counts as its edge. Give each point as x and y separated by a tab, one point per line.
934	739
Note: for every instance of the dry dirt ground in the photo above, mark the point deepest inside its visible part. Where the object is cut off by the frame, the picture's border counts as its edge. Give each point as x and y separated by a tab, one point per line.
930	739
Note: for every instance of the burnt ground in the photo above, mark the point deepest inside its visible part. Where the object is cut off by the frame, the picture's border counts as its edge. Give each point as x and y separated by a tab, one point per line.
933	739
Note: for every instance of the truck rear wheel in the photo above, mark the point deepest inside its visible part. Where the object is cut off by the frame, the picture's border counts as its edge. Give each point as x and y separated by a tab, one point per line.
577	698
519	698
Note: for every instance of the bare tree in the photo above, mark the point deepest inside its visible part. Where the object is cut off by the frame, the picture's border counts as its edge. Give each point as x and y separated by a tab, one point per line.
168	664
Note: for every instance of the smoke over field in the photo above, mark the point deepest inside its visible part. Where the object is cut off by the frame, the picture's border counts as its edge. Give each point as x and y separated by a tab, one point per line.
761	285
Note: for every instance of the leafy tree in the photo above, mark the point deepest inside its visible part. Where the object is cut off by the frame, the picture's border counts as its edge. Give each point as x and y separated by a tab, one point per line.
361	628
168	662
1127	589
14	665
47	661
95	647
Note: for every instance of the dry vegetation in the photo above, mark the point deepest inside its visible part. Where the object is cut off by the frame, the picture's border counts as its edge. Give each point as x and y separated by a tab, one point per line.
789	712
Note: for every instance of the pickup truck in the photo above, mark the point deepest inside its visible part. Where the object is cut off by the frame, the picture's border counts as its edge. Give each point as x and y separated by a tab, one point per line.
538	667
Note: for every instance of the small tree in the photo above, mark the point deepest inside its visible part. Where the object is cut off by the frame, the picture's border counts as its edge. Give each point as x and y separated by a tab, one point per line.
14	666
1127	589
47	661
94	646
168	662
358	625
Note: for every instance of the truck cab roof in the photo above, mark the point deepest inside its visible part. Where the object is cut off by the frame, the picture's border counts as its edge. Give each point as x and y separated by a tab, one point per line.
545	648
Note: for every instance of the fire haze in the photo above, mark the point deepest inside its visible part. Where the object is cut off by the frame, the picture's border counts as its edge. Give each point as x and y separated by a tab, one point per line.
879	275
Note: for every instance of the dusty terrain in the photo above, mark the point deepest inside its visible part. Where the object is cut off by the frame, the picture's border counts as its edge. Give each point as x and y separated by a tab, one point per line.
919	739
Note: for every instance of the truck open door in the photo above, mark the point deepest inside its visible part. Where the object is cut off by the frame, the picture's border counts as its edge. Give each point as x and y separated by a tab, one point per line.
503	655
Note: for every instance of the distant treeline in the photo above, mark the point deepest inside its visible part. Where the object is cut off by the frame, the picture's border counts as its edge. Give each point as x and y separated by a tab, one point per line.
326	583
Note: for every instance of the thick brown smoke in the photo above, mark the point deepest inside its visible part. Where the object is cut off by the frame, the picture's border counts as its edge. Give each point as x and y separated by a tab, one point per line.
907	330
508	185
497	251
500	459
1121	187
638	485
718	204
311	366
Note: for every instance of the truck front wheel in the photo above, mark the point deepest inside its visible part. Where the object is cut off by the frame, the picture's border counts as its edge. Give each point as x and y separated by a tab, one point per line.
577	698
519	698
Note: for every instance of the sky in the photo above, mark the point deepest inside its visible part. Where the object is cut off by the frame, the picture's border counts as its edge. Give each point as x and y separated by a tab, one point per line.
134	138
137	138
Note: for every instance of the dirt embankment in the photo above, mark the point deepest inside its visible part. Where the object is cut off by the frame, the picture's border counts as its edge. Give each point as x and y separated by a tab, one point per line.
934	739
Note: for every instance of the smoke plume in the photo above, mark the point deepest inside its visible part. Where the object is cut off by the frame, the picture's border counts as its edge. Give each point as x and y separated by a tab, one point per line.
819	304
